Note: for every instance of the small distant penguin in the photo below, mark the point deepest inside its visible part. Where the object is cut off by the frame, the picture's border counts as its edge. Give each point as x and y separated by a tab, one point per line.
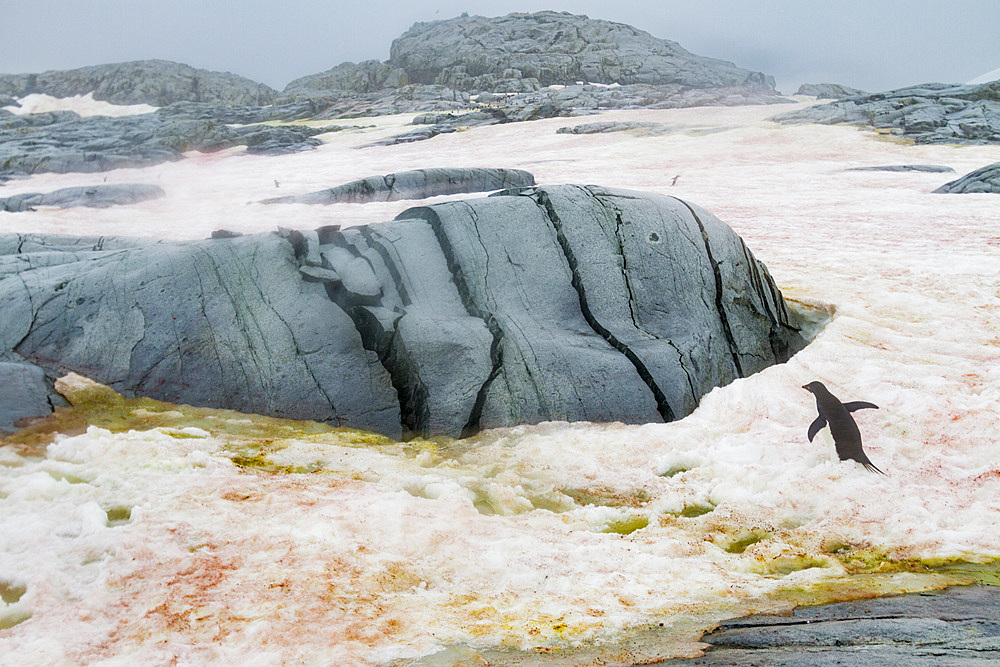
276	184
846	435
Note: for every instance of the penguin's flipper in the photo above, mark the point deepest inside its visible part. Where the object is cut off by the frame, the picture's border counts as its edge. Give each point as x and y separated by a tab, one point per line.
815	427
859	405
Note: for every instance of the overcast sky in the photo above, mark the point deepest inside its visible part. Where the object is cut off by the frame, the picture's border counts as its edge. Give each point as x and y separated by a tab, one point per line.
870	44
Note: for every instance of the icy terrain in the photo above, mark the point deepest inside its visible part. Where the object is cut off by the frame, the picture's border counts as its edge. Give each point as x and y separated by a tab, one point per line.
188	540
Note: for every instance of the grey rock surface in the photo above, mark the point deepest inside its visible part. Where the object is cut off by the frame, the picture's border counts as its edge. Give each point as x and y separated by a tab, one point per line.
550	303
476	53
95	196
64	142
932	113
984	179
154	82
829	91
932	168
415	184
956	626
23	394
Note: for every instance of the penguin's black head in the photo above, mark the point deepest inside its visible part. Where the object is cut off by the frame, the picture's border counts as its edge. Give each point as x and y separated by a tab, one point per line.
814	387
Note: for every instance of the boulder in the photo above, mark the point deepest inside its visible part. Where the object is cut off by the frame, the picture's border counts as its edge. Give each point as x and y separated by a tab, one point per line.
94	196
535	304
932	113
984	179
415	184
154	82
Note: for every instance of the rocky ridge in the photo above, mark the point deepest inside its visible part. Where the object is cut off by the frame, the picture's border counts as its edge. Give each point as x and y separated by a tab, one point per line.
551	303
154	82
928	114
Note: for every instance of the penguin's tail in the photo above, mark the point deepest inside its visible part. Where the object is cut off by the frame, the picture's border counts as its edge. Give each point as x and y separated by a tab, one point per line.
871	467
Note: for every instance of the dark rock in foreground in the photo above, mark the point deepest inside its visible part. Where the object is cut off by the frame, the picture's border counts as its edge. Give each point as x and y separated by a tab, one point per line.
933	113
828	91
985	179
956	626
415	184
154	82
932	168
95	196
552	303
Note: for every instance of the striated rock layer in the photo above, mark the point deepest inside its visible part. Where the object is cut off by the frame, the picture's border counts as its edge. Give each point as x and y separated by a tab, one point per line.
550	303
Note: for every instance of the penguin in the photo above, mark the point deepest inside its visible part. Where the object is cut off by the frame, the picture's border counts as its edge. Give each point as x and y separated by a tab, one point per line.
846	435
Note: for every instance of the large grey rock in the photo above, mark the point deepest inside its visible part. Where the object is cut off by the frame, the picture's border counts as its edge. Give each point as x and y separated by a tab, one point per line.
956	626
94	196
932	113
23	394
475	53
154	82
220	323
551	303
828	91
435	66
415	184
984	179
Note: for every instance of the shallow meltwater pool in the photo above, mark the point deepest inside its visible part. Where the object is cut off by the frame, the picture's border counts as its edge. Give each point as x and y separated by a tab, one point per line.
134	531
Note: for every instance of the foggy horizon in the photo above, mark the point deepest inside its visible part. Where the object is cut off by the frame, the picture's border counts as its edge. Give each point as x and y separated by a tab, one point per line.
889	45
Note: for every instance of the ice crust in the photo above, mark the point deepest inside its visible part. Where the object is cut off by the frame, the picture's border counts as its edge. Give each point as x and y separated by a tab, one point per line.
152	546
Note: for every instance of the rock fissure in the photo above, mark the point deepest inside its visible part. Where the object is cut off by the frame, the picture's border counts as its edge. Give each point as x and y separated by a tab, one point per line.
662	405
719	305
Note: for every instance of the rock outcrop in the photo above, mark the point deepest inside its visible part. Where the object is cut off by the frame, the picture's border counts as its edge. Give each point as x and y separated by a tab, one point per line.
154	82
94	196
23	394
984	179
477	53
415	184
551	303
62	141
933	113
828	91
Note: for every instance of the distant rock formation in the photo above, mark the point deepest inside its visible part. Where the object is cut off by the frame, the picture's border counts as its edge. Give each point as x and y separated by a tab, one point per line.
62	141
94	196
984	179
932	168
520	52
550	303
524	54
933	113
415	184
828	91
154	82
